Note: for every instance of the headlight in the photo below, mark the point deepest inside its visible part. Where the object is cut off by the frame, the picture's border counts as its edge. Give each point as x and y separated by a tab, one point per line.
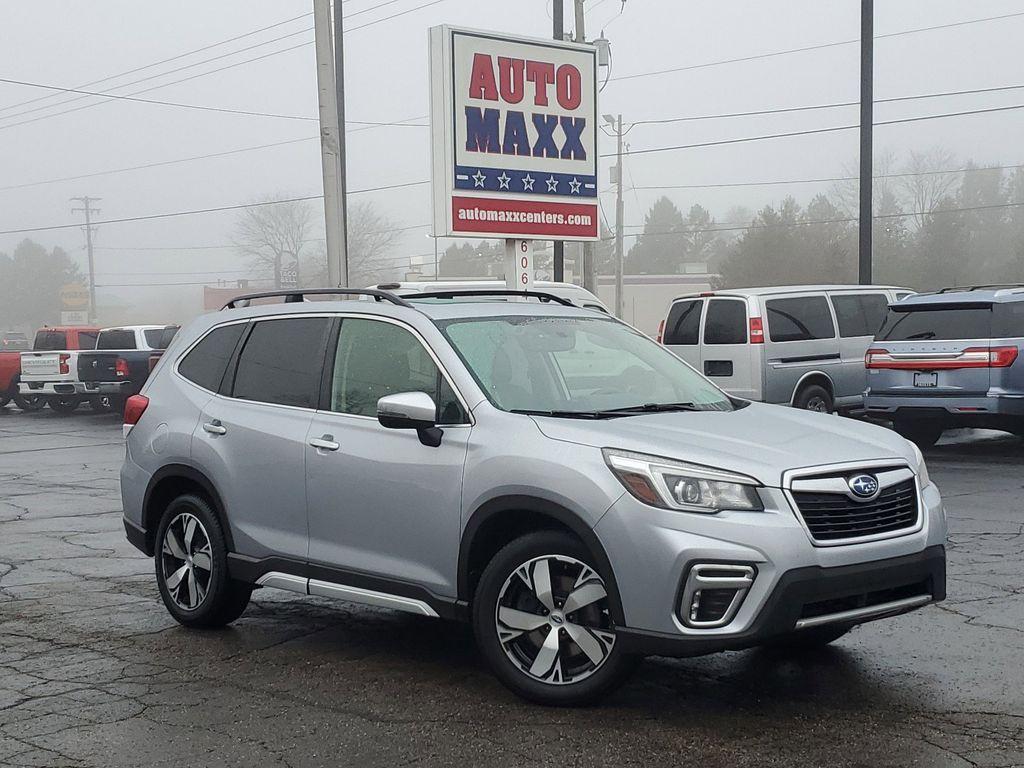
677	485
922	470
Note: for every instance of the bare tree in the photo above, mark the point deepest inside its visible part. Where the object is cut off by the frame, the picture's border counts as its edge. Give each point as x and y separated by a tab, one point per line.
845	194
274	237
372	238
928	181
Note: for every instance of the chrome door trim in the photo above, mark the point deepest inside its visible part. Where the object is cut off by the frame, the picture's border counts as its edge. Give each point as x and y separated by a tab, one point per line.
286	581
370	597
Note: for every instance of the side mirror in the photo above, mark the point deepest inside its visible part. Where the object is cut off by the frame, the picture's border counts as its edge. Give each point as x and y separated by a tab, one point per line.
411	410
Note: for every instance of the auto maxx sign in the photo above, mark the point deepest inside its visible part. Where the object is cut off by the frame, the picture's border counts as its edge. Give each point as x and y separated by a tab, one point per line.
514	136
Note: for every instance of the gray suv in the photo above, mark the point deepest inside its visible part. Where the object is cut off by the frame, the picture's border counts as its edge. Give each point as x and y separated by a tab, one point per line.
950	359
572	489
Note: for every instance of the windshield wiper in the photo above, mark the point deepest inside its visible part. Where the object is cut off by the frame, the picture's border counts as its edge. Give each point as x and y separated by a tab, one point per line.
921	335
568	414
654	408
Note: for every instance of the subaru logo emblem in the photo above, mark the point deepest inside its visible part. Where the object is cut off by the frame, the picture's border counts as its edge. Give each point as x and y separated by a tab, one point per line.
863	486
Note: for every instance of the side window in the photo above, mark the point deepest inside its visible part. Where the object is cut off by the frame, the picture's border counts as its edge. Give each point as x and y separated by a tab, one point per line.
683	324
726	322
799	319
860	314
282	362
375	359
206	363
87	339
1008	320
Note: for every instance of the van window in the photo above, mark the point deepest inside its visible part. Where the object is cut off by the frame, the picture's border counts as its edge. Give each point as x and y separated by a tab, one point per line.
860	314
282	361
206	363
925	323
683	324
726	322
116	338
799	319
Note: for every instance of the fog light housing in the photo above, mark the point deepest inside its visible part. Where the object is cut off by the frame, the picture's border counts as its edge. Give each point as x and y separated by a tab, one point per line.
713	593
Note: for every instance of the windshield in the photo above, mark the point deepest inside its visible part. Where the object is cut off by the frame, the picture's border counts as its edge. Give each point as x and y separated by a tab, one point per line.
567	365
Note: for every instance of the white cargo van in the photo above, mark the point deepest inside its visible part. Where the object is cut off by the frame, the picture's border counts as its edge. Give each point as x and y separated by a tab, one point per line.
798	345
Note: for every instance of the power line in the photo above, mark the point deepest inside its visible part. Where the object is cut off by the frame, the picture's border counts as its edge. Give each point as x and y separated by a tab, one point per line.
806	48
810	131
833	105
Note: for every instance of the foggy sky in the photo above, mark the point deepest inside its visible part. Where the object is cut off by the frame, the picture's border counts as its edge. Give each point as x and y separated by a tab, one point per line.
69	44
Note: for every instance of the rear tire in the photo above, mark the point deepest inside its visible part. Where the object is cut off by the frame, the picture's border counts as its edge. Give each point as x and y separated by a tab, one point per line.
806	639
527	625
192	566
30	402
107	404
814	397
4	400
64	404
923	434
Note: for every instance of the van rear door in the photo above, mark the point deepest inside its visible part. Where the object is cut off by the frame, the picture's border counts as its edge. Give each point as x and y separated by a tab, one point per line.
681	334
932	349
726	353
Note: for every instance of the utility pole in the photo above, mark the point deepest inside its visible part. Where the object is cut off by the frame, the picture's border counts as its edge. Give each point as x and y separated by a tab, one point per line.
330	142
589	267
619	215
88	210
339	90
558	32
867	44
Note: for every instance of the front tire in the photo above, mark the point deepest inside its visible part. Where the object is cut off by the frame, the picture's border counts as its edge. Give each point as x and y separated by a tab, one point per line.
542	620
192	566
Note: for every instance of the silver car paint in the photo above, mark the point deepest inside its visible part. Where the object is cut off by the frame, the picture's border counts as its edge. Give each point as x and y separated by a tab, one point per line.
388	497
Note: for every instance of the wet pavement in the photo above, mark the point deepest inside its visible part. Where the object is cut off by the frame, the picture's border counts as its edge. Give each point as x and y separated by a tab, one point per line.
94	672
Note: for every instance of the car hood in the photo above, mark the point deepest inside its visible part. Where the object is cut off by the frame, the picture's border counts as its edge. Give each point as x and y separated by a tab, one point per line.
761	441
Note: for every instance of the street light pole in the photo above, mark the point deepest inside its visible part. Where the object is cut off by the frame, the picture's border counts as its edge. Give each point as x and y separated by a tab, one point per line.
558	32
339	90
867	44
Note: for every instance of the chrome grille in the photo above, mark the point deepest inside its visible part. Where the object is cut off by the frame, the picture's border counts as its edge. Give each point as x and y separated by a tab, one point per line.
835	516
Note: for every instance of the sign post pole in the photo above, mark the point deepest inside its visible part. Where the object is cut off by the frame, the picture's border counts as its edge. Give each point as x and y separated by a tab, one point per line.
519	264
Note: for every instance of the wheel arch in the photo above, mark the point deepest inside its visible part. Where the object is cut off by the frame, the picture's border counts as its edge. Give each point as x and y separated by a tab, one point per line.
813	377
171	481
498	521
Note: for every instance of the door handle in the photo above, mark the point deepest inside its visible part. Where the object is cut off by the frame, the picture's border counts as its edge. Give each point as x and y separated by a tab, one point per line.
215	427
325	443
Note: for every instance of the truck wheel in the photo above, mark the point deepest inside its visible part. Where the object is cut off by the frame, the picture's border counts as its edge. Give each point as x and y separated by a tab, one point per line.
107	404
4	400
30	402
813	397
64	404
923	433
192	566
542	621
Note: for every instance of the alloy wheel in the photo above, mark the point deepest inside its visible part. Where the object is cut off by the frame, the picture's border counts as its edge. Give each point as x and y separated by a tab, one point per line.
817	404
553	620
187	561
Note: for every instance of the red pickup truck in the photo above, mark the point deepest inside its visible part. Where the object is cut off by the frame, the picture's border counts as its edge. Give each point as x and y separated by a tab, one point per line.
56	339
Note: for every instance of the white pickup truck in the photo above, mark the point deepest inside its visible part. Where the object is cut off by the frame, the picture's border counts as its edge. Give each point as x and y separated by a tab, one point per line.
49	373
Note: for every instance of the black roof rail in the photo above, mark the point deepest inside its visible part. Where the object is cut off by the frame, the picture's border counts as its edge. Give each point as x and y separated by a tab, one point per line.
454	294
992	286
296	295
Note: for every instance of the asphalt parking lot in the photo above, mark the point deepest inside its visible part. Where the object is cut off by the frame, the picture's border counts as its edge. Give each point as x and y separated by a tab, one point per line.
94	672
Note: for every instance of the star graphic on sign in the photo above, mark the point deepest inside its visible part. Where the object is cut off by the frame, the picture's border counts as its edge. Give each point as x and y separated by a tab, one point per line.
528	183
574	186
503	180
552	183
479	179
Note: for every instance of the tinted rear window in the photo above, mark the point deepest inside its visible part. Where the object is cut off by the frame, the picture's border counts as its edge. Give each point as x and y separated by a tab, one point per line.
860	314
726	322
928	323
117	338
87	339
683	324
47	341
206	363
160	338
281	362
799	319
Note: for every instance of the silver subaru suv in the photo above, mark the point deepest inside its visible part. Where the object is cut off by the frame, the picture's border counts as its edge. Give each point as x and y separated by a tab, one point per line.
545	472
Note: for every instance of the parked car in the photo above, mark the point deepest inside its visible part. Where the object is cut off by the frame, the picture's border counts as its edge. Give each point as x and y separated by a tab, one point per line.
578	295
950	359
795	345
13	341
49	373
121	363
543	471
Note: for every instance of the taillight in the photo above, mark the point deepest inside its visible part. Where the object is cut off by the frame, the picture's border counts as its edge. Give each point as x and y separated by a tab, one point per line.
1002	357
134	407
661	331
64	368
121	367
972	357
756	330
